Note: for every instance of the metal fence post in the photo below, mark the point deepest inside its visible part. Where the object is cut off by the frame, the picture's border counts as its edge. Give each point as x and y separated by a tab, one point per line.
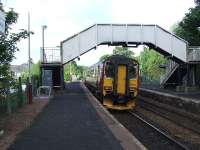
9	109
30	93
20	94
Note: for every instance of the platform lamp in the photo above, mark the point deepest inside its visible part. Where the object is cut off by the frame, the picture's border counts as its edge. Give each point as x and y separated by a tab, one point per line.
43	28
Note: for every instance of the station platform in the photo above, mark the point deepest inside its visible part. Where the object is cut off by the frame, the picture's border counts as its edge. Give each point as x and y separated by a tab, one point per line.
187	101
191	95
72	120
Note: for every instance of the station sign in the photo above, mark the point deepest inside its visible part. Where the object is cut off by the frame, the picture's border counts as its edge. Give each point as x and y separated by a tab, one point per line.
2	22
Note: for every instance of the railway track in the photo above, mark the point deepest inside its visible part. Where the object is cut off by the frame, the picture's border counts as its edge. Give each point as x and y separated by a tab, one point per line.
150	136
182	119
179	145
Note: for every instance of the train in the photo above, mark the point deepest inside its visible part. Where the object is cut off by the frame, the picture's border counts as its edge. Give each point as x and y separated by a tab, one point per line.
115	81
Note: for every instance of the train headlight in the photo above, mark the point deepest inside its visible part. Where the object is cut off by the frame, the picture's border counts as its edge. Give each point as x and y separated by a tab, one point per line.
107	88
132	90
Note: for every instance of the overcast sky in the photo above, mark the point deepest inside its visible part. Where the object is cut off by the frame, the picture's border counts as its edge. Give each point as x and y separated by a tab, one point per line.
67	17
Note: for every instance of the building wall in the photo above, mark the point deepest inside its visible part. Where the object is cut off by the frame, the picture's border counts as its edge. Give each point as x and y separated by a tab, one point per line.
52	75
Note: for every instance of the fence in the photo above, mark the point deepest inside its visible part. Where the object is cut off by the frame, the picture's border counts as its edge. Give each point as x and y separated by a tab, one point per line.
11	96
35	80
50	55
148	82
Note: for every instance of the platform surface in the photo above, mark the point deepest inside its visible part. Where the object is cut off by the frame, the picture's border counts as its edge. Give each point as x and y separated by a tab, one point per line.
68	122
194	96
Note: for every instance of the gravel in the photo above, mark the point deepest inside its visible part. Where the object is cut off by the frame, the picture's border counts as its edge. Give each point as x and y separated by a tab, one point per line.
145	134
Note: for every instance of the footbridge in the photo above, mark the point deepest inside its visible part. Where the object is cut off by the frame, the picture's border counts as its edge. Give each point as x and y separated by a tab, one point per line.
153	36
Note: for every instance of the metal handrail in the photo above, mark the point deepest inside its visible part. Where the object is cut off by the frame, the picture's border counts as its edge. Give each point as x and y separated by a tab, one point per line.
170	68
193	53
50	55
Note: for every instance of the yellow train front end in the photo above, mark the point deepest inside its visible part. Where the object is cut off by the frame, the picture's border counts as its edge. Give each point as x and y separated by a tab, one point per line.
120	83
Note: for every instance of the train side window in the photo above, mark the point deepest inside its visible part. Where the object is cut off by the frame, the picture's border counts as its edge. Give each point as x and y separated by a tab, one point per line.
109	70
132	71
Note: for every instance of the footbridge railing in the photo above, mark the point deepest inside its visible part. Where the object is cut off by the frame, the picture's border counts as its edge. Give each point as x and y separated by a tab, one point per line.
154	36
193	54
50	55
170	69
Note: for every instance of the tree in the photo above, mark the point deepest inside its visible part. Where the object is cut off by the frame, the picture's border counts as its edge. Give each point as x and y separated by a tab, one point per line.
73	69
150	61
188	27
35	69
197	2
35	72
8	43
104	57
123	51
119	51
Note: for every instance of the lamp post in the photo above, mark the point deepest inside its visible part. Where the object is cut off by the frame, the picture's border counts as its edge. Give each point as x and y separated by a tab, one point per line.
29	64
43	28
29	54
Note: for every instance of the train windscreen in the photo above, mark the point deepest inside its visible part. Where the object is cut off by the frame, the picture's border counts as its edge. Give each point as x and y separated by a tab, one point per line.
109	70
132	71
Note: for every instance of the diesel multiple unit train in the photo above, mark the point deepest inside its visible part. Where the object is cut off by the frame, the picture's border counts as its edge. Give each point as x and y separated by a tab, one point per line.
115	81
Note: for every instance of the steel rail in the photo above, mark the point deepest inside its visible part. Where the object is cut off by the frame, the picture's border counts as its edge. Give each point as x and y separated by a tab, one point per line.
159	131
172	110
169	118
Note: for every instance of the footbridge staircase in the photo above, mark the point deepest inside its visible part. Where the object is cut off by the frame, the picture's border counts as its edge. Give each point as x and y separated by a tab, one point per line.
153	36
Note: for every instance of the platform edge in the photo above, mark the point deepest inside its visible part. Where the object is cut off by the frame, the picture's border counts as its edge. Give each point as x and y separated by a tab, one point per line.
171	95
127	140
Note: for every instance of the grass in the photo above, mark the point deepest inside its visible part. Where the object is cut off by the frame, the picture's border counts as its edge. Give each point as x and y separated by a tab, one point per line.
12	102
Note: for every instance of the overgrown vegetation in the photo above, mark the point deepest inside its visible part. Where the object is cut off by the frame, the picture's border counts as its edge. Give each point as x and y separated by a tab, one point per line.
150	62
8	46
35	72
72	69
123	51
119	51
11	94
188	27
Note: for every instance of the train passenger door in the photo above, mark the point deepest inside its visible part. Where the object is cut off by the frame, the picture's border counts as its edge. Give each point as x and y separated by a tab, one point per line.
121	79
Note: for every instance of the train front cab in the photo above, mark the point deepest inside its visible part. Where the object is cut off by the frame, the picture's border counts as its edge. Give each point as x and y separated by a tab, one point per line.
120	86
